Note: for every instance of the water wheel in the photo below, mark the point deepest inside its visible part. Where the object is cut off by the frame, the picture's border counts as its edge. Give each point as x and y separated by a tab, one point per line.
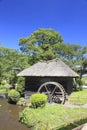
54	91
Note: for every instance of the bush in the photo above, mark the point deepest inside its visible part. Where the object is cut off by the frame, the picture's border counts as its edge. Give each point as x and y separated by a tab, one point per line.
13	96
4	88
78	85
23	102
20	86
84	80
79	81
20	89
29	117
38	100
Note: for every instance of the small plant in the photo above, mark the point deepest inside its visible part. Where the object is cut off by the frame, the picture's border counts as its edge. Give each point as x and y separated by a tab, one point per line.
38	100
23	102
13	96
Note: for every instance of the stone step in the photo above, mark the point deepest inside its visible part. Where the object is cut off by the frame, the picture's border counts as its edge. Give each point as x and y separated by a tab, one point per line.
27	94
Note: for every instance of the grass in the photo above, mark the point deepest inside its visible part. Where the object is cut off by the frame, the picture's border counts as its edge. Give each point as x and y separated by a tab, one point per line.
52	117
79	97
57	117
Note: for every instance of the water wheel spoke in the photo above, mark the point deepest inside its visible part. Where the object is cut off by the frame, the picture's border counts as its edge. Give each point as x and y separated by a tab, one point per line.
58	92
53	91
47	91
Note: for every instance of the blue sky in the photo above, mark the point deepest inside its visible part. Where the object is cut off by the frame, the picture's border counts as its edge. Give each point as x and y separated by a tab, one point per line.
20	18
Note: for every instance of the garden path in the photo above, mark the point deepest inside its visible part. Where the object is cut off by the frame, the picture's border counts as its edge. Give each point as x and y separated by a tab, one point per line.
72	105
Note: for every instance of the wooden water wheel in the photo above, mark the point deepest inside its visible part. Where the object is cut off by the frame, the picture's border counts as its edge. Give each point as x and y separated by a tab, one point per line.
54	91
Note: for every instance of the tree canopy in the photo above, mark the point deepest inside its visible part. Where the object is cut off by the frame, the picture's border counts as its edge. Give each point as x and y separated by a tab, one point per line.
47	44
41	44
11	62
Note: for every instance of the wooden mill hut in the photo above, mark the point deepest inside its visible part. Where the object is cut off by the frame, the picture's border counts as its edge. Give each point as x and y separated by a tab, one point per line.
49	71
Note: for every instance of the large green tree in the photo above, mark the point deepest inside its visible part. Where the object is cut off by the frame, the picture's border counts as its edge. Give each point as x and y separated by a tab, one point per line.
73	54
47	44
11	62
41	44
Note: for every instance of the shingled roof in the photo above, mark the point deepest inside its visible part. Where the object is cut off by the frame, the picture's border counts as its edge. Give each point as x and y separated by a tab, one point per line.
53	68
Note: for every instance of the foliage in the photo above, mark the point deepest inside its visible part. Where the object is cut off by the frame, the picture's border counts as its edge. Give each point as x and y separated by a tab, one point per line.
11	62
41	44
4	87
79	81
20	81
23	102
79	97
20	89
51	116
77	84
38	100
20	86
85	63
72	54
84	80
13	96
28	117
47	44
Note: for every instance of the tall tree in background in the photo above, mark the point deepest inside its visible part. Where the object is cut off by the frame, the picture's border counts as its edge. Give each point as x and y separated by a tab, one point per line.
11	62
47	44
40	45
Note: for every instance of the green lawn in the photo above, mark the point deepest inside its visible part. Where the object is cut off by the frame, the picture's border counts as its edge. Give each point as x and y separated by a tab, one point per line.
79	97
52	117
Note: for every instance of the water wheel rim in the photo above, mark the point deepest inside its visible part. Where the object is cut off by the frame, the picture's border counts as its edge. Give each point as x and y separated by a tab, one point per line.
58	86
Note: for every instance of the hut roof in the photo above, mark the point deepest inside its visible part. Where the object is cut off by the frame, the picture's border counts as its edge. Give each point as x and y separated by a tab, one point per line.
54	68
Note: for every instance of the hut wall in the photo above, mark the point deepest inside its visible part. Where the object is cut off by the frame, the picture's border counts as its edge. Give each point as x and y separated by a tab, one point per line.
69	86
33	83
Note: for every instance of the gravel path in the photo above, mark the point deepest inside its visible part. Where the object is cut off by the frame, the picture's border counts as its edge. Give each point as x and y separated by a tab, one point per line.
71	105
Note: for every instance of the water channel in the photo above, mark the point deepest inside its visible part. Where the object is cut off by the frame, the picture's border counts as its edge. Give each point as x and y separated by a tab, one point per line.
9	115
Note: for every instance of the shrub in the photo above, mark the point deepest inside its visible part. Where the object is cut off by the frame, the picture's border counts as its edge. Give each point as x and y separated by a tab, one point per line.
23	102
27	116
38	100
13	96
78	85
4	88
84	80
20	86
79	81
20	89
